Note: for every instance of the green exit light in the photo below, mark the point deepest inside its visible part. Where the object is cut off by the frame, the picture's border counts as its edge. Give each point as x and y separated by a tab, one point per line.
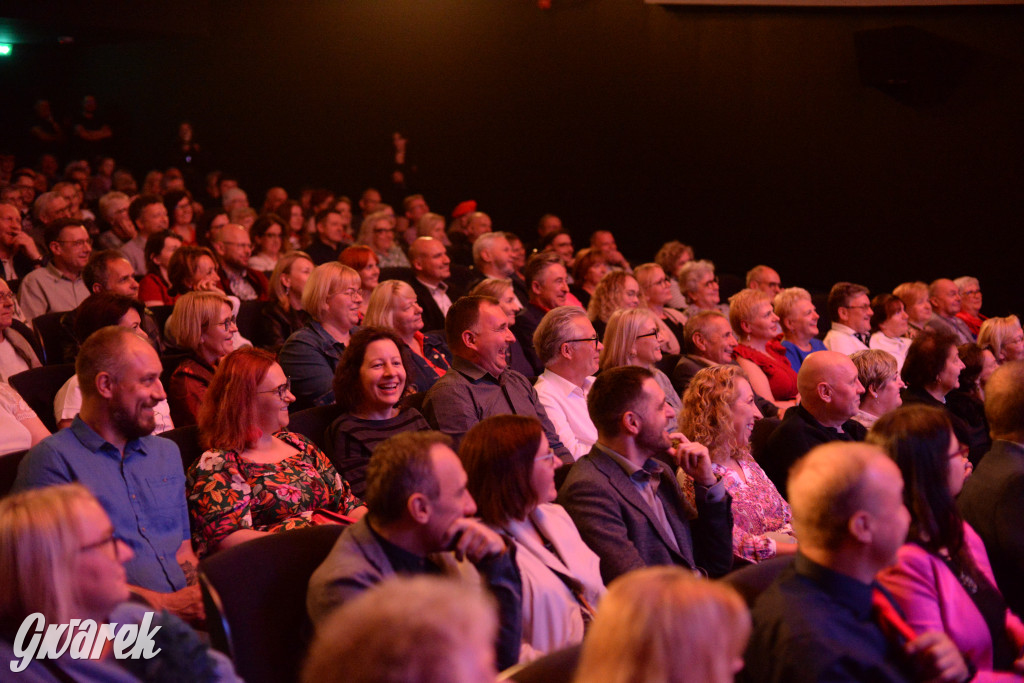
5	50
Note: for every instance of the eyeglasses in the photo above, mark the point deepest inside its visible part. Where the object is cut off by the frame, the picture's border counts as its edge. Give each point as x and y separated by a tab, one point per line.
281	391
548	457
960	452
711	282
593	339
272	234
656	333
854	308
380	231
75	244
112	539
971	292
228	323
244	245
6	297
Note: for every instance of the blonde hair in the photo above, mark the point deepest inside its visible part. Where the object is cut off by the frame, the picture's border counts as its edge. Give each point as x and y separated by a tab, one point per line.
645	276
910	293
663	625
874	367
39	539
380	312
284	265
366	227
706	416
607	295
193	313
743	306
785	300
326	280
995	333
624	327
493	287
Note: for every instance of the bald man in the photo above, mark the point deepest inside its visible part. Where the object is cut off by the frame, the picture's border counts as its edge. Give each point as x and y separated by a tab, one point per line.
815	623
944	296
432	273
764	278
233	248
829	398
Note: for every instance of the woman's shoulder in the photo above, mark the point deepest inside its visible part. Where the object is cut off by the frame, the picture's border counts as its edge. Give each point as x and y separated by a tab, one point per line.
297	441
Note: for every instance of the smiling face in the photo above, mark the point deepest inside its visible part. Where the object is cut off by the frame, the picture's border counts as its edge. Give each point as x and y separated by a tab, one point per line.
949	376
957	465
121	278
802	321
946	298
744	411
137	391
381	376
658	290
171	245
920	312
510	304
71	249
897	324
763	324
408	313
430	261
846	390
295	278
383	236
630	296
206	272
216	340
857	314
647	347
273	408
562	245
270	242
655	414
706	296
720	342
343	305
551	287
542	480
888	395
1013	349
501	257
369	275
183	212
489	339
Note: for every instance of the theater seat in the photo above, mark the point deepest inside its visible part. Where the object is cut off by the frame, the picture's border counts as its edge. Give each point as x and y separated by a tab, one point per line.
39	386
187	439
9	470
312	423
752	580
255	598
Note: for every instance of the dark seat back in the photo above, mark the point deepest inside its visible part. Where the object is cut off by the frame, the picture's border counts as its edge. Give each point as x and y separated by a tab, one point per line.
187	439
312	423
54	337
255	597
9	470
752	580
248	314
39	386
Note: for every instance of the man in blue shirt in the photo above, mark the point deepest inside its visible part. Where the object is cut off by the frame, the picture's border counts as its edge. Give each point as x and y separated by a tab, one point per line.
136	477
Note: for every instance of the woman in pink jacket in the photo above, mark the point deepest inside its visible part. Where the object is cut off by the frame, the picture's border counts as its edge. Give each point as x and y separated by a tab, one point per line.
942	579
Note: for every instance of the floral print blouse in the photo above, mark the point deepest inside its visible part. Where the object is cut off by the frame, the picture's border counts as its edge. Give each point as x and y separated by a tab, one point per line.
757	509
228	493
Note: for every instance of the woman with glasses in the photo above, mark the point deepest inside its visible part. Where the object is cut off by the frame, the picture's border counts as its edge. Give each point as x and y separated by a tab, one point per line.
363	260
202	323
181	215
942	579
267	235
257	478
633	338
616	291
369	383
62	560
19	347
332	298
511	476
970	303
378	233
699	285
759	352
655	296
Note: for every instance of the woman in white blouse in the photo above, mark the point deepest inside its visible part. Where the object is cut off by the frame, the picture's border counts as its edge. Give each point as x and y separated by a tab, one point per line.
511	471
890	320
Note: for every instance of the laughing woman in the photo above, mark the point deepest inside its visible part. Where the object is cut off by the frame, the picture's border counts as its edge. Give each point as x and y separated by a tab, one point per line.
257	477
719	412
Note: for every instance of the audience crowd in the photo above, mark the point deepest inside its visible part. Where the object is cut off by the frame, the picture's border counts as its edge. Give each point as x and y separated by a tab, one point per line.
537	455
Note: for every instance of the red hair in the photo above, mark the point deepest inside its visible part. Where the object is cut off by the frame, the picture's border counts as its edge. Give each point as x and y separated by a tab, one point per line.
357	257
228	416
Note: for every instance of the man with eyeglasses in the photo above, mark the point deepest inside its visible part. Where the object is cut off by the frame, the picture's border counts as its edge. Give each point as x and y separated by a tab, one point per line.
569	348
137	478
59	286
850	310
233	247
764	278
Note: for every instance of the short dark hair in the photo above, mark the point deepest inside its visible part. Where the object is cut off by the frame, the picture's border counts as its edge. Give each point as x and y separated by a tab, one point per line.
53	229
322	214
399	467
103	310
95	271
926	357
973	358
883	307
102	351
348	389
266	222
171	201
547	239
916	437
498	454
155	244
464	314
140	203
615	391
840	296
537	264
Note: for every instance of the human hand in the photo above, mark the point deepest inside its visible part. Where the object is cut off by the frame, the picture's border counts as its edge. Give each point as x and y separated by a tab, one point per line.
186	603
24	242
472	540
937	657
209	284
693	458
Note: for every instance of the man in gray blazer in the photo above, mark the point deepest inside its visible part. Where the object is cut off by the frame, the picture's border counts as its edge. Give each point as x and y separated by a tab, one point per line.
627	503
992	500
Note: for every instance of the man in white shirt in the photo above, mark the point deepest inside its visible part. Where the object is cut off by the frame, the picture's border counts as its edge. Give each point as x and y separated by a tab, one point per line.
850	310
568	346
431	269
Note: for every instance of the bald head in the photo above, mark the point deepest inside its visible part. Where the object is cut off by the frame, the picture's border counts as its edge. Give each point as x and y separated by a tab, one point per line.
429	260
1004	401
233	246
944	296
829	388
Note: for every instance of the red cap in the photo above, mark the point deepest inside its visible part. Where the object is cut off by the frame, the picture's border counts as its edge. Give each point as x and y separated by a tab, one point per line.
468	206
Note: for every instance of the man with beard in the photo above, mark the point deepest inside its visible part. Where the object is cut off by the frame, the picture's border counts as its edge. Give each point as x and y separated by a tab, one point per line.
626	501
137	478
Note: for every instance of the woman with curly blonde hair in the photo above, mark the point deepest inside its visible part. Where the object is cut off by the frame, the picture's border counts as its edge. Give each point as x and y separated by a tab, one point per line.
617	290
663	625
719	412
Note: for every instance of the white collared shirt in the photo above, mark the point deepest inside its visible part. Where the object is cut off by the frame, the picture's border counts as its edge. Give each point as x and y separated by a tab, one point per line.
566	406
439	293
840	339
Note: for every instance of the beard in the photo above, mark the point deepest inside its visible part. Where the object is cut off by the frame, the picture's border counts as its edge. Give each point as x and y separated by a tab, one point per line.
132	425
653	440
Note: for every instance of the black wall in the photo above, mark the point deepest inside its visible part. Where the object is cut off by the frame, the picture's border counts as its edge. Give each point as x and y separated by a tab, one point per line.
821	141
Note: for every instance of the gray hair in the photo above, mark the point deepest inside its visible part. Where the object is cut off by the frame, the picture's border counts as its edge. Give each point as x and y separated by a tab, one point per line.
690	274
554	330
484	243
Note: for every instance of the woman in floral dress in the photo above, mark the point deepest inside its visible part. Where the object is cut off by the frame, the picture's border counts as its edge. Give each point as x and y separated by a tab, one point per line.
257	478
719	412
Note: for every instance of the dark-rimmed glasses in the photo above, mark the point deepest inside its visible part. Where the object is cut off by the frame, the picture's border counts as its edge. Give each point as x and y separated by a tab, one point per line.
281	391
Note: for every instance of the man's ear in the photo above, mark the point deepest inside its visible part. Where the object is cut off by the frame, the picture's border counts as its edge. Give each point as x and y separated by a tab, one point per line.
631	422
824	391
468	338
535	287
105	385
418	507
699	341
859	526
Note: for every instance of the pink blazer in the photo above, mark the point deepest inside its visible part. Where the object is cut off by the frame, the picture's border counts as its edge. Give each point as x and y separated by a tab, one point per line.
933	600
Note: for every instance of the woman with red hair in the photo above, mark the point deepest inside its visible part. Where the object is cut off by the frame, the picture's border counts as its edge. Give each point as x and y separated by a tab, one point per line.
364	261
257	478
